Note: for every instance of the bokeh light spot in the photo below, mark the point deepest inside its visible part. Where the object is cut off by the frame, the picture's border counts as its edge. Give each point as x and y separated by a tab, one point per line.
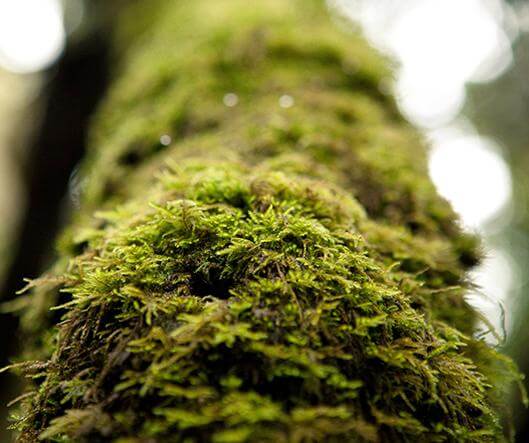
230	99
32	34
469	171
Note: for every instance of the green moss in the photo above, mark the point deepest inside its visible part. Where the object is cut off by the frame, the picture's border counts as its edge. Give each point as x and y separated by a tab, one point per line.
272	275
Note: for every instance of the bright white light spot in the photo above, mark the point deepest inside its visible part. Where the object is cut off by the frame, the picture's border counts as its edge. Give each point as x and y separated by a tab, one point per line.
286	101
431	33
31	34
165	140
441	45
426	105
230	100
469	172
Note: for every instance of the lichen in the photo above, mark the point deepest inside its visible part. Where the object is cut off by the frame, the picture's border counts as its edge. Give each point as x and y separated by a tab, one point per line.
275	274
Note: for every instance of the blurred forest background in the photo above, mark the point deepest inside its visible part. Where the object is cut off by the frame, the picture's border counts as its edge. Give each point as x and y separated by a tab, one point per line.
462	77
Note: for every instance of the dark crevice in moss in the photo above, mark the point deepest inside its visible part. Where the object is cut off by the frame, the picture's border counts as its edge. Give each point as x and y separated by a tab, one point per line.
209	287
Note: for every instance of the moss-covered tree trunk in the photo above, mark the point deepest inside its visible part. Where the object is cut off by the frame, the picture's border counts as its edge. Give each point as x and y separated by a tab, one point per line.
259	254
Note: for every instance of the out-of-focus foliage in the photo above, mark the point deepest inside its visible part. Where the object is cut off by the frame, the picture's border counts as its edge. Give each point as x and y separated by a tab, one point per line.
501	109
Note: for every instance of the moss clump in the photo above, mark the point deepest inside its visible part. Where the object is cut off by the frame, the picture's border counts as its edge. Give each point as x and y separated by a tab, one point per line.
246	304
273	275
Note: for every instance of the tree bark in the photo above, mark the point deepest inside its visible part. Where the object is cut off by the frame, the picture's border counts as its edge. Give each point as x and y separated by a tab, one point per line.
258	252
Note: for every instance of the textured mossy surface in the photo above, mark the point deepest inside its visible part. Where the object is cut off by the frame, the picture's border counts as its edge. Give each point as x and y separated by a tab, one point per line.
283	274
